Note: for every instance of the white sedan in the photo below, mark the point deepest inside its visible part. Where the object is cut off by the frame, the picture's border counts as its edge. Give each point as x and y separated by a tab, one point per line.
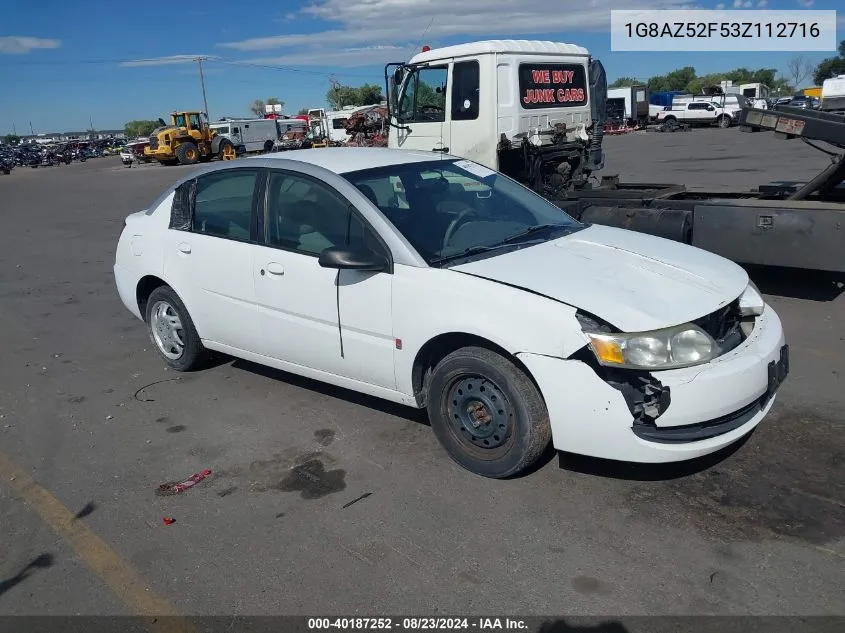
437	283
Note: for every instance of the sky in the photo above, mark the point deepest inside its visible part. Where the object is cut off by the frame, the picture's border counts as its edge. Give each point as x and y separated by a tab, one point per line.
67	65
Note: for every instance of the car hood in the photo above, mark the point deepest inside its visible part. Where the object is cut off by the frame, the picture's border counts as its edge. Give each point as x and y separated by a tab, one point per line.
635	282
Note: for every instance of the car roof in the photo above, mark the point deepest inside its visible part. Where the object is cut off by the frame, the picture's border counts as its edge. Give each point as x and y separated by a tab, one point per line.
339	160
342	160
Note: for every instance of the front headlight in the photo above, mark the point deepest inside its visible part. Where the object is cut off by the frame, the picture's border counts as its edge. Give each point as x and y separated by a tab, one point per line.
671	348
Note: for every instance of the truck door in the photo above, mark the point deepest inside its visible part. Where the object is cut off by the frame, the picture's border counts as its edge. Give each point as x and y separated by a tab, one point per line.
422	110
470	115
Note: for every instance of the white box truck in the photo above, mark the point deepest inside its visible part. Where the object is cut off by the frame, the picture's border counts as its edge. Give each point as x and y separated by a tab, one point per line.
632	104
256	135
833	95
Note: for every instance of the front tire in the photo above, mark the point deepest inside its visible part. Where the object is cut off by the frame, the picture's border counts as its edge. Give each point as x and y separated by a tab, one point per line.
172	331
487	413
724	121
187	154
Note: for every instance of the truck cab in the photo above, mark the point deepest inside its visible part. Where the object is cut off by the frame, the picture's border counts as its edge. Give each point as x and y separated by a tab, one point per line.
531	109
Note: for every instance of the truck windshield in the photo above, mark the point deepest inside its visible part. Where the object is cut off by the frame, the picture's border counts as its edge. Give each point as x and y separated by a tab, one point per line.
179	120
455	209
423	95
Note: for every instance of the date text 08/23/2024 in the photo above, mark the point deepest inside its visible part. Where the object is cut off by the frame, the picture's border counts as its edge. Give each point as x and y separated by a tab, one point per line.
417	624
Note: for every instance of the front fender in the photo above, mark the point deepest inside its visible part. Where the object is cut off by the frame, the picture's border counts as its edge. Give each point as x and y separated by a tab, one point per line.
428	302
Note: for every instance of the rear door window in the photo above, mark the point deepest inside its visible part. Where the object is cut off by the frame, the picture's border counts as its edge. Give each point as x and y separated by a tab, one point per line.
223	204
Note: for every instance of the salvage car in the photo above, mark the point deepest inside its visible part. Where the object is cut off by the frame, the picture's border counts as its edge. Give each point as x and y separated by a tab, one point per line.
438	283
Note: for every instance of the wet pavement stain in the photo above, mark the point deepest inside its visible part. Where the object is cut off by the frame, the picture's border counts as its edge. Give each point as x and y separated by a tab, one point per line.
291	471
312	481
177	428
76	399
308	475
324	437
226	492
588	586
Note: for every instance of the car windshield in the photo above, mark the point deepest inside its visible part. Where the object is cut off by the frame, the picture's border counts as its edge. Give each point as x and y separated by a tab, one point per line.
451	210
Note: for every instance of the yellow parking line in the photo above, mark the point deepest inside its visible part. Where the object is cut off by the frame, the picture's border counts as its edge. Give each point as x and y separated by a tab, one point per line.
95	553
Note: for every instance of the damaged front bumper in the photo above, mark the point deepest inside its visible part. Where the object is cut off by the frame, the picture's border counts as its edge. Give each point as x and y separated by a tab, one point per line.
673	415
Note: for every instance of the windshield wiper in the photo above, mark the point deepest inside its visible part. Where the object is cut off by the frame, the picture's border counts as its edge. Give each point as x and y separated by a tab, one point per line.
468	252
531	230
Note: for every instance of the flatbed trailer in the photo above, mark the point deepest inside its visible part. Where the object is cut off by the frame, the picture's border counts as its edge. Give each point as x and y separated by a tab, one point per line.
795	225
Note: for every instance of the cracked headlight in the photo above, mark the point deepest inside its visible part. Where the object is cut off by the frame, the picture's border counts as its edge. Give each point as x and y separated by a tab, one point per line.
670	348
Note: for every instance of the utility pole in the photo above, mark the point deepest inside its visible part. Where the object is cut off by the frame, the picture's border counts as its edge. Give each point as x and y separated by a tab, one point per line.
202	82
335	85
31	131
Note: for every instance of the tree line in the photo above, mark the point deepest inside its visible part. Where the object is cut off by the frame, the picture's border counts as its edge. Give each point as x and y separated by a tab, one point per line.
798	69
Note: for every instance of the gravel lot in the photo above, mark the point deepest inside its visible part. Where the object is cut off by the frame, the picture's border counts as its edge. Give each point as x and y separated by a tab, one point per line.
91	415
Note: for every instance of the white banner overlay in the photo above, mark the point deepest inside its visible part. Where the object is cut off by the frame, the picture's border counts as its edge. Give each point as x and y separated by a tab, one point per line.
721	30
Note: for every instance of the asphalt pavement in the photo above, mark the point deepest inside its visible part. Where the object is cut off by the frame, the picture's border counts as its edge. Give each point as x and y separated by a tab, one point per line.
324	501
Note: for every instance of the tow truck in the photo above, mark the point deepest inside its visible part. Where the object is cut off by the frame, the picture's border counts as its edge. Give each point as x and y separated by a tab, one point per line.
793	225
536	111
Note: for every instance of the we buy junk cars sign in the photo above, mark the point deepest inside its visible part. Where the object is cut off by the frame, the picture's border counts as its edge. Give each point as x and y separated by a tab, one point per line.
552	85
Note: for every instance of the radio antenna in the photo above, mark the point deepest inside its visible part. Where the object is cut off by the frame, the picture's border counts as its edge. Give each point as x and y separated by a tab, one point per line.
430	22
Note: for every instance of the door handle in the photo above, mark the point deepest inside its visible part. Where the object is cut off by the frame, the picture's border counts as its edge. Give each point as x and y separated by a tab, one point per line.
275	269
440	149
184	247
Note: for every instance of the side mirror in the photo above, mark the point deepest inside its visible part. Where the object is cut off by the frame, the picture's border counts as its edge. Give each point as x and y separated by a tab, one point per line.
342	258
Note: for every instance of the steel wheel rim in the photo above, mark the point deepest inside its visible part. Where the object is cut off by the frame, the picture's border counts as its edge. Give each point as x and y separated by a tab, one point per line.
191	154
479	413
167	330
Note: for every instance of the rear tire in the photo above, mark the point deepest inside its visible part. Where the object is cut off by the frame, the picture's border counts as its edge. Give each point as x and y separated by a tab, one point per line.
268	147
487	413
172	331
187	154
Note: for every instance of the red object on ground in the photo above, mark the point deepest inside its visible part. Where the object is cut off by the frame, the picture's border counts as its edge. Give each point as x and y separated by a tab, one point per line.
169	520
193	480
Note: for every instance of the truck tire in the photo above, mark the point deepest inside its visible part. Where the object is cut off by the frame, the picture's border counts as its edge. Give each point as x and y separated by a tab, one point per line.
226	150
487	413
188	154
268	147
668	119
723	121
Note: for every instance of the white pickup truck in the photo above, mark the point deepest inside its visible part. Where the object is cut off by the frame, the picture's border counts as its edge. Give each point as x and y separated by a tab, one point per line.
697	113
